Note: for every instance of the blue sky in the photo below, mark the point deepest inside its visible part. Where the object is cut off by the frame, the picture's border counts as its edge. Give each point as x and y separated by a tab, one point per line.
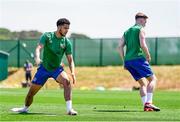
95	18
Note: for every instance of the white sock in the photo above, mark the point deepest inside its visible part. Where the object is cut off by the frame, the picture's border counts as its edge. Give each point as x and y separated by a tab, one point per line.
25	107
149	97
144	98
69	105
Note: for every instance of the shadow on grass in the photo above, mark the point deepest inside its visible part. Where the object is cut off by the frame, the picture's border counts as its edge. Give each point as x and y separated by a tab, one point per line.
117	110
35	113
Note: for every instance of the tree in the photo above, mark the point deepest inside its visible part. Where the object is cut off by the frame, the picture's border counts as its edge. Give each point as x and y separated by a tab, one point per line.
79	36
6	34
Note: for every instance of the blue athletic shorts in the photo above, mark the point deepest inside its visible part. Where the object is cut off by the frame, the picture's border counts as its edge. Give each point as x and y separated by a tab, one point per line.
138	68
42	75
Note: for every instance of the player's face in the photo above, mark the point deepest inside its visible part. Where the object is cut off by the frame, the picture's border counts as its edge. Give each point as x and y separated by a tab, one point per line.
63	29
143	21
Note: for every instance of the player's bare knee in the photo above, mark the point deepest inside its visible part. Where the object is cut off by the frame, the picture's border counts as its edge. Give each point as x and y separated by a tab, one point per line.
152	78
66	83
152	83
155	78
143	83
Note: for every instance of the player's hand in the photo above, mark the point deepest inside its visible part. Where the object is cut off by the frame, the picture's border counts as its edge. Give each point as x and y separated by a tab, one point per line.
37	61
62	64
148	58
73	78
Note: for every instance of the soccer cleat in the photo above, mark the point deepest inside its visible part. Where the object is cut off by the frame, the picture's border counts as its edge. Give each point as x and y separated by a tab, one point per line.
150	107
20	110
72	112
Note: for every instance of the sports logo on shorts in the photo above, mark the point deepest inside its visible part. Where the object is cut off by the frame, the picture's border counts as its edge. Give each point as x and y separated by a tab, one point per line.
35	79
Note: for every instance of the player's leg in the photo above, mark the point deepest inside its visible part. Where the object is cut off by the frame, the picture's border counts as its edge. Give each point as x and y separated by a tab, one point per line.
32	91
140	70
63	79
143	89
29	99
39	80
143	94
145	71
131	66
150	88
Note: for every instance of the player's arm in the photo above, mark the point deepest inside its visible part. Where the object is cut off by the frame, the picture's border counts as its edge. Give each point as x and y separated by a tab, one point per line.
37	53
40	46
71	66
144	45
121	48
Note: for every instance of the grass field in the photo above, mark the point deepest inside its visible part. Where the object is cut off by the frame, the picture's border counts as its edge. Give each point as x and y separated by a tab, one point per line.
49	105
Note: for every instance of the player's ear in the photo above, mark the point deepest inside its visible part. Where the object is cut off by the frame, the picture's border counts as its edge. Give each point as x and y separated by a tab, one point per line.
59	27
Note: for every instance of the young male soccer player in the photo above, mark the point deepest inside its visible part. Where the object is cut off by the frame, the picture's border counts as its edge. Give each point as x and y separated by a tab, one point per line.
137	58
55	44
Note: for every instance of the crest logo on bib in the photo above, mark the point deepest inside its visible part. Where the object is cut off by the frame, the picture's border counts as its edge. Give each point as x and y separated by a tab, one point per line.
62	46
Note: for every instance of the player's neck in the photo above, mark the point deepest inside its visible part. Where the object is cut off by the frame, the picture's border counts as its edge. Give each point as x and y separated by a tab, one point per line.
58	35
138	23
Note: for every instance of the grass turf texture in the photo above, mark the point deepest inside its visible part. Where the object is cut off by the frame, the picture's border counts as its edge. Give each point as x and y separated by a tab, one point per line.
49	105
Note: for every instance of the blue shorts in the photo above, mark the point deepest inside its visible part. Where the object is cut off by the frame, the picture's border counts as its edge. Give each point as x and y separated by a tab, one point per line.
42	75
138	68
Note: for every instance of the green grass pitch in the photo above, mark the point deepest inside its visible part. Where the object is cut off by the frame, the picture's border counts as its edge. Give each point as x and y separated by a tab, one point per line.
49	105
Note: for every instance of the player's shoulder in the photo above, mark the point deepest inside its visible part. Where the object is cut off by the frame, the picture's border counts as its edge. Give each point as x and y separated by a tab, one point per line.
67	40
48	34
135	27
139	27
129	29
125	32
142	30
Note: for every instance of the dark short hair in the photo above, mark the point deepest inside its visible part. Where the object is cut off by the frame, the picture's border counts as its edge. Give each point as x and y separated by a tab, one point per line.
141	15
62	21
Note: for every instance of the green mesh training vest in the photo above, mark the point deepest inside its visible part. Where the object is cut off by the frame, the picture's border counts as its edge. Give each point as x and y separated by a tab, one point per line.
132	42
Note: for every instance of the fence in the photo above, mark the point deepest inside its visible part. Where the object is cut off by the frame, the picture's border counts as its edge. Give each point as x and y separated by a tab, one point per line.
96	52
